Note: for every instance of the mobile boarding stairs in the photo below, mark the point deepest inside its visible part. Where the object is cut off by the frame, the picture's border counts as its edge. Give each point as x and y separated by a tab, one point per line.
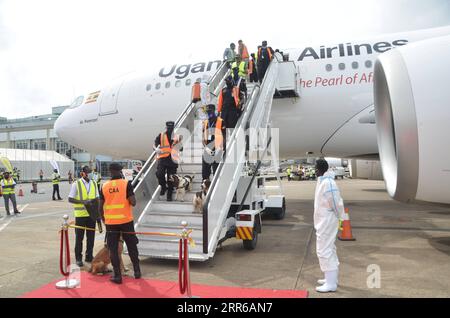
237	195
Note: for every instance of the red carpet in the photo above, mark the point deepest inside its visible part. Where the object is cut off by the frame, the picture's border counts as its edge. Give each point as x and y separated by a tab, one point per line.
100	287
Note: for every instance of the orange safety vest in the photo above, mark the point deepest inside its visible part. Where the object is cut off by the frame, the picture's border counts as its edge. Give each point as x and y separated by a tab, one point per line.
235	94
268	51
244	53
250	67
117	209
218	137
166	149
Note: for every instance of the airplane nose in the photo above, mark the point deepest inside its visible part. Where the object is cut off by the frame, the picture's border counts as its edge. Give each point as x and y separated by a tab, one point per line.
61	126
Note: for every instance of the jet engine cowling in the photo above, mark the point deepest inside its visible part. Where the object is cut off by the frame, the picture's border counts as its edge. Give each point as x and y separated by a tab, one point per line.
412	110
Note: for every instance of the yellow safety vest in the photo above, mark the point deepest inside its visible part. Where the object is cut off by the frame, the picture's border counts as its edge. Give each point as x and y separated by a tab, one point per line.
56	178
82	195
242	69
8	187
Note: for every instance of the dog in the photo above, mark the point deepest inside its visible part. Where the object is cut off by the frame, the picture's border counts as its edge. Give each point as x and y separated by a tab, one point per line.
99	265
181	185
200	196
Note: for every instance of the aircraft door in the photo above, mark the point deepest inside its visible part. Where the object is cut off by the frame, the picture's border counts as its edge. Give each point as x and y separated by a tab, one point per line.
110	96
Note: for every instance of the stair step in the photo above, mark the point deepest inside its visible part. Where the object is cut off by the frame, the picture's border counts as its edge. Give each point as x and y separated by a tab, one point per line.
173	206
169	227
192	167
171	255
198	239
171	245
188	197
166	217
173	213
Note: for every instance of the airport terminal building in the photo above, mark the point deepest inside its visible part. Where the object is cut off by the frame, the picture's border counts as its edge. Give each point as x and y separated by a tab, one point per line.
37	133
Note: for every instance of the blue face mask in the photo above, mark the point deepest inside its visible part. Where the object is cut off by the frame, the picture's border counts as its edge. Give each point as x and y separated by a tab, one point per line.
211	115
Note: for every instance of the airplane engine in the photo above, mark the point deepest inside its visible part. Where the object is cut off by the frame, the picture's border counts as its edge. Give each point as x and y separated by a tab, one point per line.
412	111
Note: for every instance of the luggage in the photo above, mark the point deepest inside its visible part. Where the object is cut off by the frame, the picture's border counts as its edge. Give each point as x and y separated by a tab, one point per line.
196	89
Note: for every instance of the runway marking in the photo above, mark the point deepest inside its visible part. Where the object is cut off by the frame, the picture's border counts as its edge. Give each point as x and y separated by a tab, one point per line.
40	215
5	225
21	209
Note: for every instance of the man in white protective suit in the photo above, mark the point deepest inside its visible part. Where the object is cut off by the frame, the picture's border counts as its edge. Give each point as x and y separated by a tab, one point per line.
328	210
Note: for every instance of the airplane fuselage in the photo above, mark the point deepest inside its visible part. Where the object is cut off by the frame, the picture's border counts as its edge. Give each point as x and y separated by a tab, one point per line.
333	115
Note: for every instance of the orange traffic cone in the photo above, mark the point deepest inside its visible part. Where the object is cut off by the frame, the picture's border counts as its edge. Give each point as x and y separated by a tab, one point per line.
346	232
20	192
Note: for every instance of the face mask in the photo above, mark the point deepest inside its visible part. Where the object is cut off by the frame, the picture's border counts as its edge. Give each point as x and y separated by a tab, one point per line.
211	115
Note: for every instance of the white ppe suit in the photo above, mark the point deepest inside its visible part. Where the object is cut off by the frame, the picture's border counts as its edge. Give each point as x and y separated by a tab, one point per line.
328	209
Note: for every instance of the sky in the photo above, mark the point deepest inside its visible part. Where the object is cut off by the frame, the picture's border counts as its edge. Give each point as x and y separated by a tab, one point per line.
54	50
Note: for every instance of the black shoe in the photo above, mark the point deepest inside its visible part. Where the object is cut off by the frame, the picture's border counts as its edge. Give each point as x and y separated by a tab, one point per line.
80	263
88	260
169	199
162	192
137	271
59	199
137	274
8	214
116	279
54	199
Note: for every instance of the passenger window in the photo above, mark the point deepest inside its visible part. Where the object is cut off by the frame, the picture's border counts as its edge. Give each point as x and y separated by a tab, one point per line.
158	86
355	65
167	84
149	87
342	66
178	83
329	67
188	82
368	64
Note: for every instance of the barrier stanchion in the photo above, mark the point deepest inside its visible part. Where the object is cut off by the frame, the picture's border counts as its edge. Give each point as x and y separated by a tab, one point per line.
183	266
184	276
64	258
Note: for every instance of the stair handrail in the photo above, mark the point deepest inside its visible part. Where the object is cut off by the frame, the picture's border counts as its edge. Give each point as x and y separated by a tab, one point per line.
146	185
216	81
255	173
249	111
230	142
149	161
179	120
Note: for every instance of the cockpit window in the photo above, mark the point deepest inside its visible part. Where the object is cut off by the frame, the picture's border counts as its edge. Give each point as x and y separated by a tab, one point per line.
77	102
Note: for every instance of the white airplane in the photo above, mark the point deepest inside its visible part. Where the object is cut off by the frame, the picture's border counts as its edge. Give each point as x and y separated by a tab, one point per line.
334	116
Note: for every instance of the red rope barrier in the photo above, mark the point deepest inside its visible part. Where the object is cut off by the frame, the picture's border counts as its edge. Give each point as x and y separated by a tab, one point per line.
64	237
182	277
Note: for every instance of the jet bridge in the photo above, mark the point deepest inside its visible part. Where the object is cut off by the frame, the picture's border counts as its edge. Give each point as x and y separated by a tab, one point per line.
236	198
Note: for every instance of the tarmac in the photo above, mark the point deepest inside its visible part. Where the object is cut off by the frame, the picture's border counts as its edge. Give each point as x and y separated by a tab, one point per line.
401	250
